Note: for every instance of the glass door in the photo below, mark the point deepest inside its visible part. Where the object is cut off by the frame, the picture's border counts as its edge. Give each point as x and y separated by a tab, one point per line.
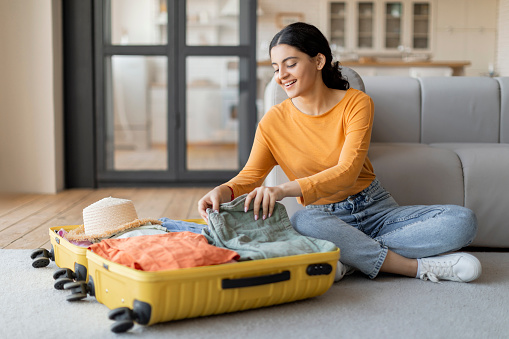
134	66
217	62
172	96
421	25
365	25
212	121
212	86
393	14
337	26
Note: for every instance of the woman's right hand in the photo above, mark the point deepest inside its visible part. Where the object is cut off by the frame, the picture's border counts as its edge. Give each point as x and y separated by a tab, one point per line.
213	199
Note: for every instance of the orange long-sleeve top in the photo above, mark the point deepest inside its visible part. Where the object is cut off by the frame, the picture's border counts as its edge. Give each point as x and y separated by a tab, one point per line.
326	154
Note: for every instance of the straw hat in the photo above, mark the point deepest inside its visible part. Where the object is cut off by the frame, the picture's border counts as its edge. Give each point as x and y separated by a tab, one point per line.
107	217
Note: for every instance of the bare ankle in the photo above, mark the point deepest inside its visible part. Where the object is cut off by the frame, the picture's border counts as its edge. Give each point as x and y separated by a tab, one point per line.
397	264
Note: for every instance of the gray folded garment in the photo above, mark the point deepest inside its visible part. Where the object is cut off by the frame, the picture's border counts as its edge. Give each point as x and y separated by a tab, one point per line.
234	229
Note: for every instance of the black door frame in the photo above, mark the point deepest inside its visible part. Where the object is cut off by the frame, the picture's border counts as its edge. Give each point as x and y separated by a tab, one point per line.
85	47
79	112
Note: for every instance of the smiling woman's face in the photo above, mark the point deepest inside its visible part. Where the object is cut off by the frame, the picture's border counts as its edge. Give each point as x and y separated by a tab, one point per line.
294	70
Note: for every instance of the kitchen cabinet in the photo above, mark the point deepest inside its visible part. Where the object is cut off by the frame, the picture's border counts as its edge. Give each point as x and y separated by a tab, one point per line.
379	27
365	15
338	24
421	26
392	17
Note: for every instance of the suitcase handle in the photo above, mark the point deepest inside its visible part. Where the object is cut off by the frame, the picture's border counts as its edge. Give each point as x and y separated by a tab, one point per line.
255	281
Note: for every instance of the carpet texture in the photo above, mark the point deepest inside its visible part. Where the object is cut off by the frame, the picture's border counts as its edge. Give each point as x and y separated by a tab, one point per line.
356	307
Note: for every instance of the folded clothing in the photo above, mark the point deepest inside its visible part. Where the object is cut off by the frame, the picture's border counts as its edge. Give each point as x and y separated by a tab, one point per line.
232	228
147	229
181	225
82	243
163	251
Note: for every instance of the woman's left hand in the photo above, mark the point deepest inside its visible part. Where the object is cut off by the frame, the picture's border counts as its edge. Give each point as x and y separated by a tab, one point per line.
266	197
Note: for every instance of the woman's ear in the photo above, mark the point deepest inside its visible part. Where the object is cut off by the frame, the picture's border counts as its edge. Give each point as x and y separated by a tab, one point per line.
320	61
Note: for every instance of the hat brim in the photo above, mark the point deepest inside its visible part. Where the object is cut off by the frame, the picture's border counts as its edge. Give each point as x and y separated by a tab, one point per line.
78	234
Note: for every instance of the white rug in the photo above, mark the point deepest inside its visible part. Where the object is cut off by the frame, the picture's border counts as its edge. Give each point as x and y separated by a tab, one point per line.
356	307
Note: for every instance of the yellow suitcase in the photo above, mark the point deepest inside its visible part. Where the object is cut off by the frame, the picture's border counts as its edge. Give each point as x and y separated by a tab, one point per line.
68	256
70	259
152	297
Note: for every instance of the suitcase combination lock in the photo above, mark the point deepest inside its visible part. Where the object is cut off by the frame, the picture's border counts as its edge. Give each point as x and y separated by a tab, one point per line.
319	269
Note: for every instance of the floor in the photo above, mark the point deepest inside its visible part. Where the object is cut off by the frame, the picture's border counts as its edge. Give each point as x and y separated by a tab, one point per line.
25	219
199	157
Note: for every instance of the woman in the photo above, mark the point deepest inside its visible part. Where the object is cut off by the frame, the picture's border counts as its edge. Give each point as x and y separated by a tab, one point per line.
320	137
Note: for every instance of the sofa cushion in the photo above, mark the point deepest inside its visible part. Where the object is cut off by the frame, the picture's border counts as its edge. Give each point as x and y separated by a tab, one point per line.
504	109
460	109
486	177
417	174
397	108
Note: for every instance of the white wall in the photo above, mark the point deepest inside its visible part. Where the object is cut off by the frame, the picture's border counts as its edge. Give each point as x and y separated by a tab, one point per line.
503	38
31	133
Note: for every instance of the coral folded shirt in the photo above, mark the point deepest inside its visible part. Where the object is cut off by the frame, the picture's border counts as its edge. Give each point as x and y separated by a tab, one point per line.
163	251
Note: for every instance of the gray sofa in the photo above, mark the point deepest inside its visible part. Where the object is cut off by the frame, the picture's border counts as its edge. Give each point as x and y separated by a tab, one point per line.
437	140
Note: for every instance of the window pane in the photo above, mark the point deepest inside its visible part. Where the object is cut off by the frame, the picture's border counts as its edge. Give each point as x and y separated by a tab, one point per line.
393	13
365	25
421	26
337	25
136	114
211	117
212	22
135	22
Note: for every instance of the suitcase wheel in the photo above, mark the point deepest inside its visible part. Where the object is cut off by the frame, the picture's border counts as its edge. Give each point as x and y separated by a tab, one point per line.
60	283
76	297
37	253
121	326
79	290
124	319
41	257
120	313
64	272
40	262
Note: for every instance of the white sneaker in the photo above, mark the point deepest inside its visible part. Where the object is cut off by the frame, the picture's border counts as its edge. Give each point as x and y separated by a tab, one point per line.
342	270
461	267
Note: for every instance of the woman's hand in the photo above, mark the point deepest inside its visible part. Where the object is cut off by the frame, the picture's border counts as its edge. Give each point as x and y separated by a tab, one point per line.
213	199
266	197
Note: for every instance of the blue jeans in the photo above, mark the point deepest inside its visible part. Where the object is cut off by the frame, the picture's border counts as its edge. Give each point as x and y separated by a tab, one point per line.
366	225
181	225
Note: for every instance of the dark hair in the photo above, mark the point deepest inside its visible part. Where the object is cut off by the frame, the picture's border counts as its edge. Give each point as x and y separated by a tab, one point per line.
308	39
